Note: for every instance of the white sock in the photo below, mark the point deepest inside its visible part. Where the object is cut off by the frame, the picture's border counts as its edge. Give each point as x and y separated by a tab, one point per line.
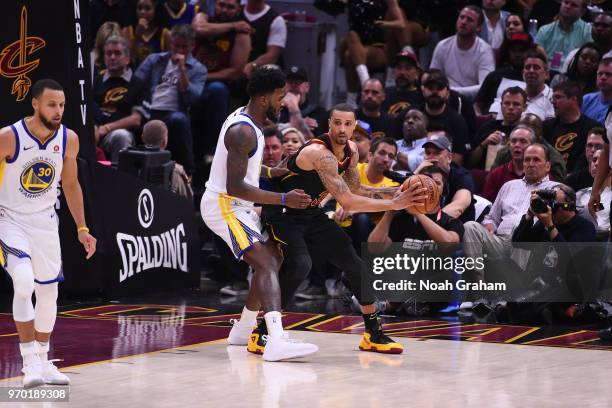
28	352
248	316
351	98
274	324
43	349
362	72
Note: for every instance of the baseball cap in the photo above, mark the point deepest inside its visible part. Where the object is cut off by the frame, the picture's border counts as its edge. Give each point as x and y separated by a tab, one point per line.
436	78
297	73
441	142
364	128
407	55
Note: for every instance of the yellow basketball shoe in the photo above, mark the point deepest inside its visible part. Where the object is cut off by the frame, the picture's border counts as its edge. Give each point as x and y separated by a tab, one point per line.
378	342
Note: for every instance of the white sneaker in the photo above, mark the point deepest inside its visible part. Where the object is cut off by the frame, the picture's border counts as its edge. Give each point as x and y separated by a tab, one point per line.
284	348
240	333
51	375
32	375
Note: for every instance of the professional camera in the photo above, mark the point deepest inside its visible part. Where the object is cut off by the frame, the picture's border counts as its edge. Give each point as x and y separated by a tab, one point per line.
545	198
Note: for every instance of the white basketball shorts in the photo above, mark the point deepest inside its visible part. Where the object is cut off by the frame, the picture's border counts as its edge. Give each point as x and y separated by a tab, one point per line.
236	223
33	236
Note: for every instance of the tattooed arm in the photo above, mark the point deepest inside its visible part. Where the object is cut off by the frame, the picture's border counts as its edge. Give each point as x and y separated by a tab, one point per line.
324	162
240	140
351	176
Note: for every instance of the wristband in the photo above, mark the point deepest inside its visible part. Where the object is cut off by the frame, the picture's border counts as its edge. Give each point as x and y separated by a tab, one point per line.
283	199
83	229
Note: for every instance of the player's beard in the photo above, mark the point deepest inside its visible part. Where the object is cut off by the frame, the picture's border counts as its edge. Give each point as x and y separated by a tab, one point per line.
48	124
272	114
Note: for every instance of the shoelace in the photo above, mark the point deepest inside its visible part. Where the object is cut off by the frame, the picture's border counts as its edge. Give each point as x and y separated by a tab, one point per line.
52	366
31	367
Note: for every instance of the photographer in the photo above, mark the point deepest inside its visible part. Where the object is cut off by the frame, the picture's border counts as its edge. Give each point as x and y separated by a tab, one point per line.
555	210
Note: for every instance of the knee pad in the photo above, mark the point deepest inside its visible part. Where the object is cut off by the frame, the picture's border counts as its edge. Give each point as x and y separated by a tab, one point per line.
46	307
23	277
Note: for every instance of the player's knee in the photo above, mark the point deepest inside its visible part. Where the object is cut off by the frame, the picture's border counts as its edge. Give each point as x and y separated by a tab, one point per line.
47	293
23	279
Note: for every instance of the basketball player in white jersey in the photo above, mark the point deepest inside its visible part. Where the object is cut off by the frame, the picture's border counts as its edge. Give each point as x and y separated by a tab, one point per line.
35	154
227	209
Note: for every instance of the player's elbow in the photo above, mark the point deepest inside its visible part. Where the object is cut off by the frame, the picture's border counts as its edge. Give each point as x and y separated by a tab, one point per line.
234	189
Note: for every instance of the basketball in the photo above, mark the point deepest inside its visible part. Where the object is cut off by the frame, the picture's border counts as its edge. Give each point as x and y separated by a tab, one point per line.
432	193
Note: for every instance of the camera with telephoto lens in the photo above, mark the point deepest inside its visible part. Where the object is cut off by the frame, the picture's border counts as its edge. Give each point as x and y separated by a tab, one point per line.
545	198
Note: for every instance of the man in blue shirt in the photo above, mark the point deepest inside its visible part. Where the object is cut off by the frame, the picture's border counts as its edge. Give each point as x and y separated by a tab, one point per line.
595	105
174	80
568	32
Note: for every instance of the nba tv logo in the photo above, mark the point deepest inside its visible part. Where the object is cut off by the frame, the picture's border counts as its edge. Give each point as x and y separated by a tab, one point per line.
146	208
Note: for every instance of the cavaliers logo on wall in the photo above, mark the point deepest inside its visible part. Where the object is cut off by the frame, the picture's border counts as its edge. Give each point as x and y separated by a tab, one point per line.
14	58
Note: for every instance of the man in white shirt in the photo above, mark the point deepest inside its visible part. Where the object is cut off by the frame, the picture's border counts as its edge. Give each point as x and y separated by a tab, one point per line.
494	235
268	34
464	58
583	196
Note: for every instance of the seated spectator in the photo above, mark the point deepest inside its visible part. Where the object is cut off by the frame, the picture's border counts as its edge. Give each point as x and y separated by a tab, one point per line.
179	12
117	99
584	195
370	109
582	178
272	154
268	35
602	37
174	81
362	136
535	76
495	132
223	44
567	33
557	164
597	104
464	58
410	151
508	75
457	198
308	117
493	236
569	130
406	93
380	157
155	135
108	29
494	25
582	69
150	35
515	24
408	225
364	49
521	137
435	89
293	139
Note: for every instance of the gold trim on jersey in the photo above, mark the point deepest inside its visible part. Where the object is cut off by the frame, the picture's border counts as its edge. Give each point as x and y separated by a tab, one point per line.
232	222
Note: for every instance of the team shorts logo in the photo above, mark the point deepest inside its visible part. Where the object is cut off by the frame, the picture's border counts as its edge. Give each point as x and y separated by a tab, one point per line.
37	177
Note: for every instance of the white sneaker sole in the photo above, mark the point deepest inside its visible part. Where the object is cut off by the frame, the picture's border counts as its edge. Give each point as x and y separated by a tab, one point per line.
33	384
57	382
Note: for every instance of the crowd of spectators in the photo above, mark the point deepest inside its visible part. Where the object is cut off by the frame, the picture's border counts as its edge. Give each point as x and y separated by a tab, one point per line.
513	97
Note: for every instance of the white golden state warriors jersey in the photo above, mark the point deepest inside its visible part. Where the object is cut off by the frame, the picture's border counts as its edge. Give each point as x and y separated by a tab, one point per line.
28	181
218	173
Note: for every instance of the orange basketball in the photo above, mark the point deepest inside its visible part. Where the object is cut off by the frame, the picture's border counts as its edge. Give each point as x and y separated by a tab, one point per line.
432	193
